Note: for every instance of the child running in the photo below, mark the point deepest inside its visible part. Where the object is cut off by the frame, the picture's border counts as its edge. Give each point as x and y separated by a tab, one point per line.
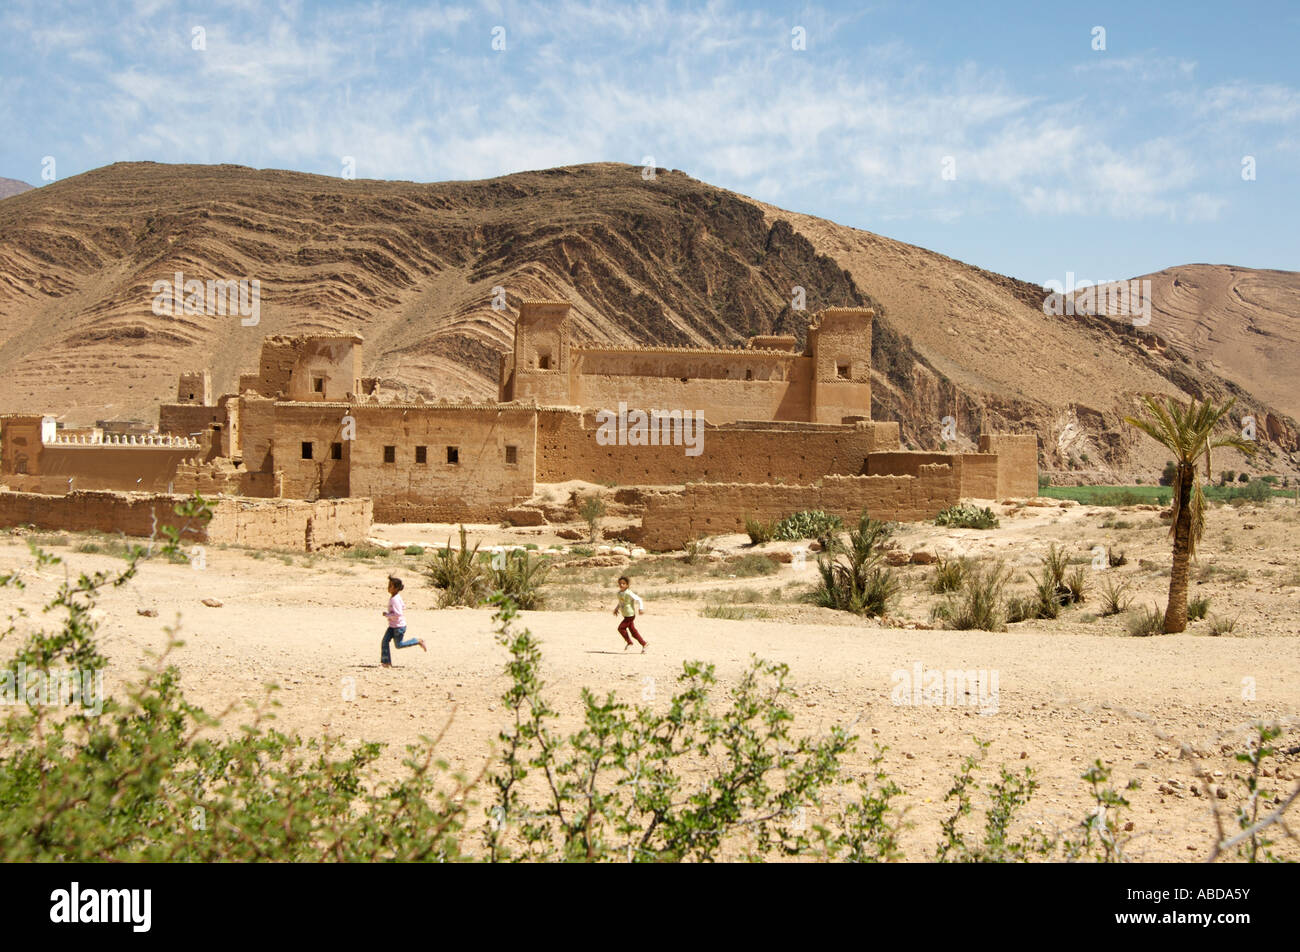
396	616
626	599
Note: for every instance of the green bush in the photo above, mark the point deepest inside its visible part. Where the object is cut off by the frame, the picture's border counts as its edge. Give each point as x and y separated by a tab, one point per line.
413	550
967	517
809	524
520	575
460	573
1115	597
854	578
1197	608
592	510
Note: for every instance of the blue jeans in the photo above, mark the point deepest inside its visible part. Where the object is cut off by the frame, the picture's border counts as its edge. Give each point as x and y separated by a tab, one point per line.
395	635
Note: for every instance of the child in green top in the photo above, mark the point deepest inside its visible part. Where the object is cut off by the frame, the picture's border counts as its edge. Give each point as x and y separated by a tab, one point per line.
626	600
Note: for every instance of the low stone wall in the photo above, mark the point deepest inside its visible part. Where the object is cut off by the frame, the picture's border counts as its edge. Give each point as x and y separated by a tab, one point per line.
280	524
716	508
977	473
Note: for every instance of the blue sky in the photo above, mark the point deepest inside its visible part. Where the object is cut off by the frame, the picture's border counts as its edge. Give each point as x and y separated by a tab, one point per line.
993	133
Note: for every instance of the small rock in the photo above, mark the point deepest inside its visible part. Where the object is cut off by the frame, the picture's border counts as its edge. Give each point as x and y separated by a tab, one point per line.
922	557
911	756
147	612
1128	827
1220	792
211	603
1024	755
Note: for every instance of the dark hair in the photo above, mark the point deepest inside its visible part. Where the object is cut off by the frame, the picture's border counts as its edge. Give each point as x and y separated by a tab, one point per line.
624	578
396	582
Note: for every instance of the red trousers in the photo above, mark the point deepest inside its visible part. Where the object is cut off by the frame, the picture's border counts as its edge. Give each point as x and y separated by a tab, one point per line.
629	624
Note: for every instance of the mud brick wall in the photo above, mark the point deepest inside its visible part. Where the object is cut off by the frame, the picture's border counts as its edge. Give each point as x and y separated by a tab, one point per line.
1017	462
287	524
718	384
291	524
479	486
977	472
717	508
125	468
567	448
186	419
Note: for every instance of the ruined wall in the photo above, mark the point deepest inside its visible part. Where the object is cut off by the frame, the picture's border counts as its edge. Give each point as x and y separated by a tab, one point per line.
315	368
977	473
257	427
287	524
477	487
567	448
715	508
1017	462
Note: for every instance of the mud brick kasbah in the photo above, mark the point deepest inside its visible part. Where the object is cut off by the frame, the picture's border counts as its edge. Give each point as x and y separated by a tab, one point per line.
306	454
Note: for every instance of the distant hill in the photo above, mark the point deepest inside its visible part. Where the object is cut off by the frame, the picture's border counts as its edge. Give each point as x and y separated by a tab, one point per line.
671	261
9	186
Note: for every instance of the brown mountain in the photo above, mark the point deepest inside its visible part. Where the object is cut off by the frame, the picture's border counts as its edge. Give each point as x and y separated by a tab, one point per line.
9	186
673	261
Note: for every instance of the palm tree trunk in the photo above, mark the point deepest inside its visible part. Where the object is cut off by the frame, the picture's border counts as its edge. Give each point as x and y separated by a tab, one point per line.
1176	610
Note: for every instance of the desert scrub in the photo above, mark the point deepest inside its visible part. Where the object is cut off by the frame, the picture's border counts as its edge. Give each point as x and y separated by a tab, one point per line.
1146	622
967	517
1222	626
949	574
732	612
1115	596
697	550
759	531
746	566
980	603
854	578
592	509
1197	608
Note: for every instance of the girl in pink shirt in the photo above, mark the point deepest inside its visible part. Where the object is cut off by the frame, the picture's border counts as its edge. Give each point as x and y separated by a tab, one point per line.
396	616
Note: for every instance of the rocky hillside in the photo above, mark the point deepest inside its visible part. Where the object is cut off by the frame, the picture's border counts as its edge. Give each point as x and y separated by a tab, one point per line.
412	267
10	186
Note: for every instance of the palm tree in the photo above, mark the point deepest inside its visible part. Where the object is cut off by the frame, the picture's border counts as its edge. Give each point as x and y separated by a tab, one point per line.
1187	432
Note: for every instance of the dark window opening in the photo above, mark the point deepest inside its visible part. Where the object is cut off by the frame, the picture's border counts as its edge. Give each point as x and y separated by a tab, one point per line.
512	454
749	375
191	396
453	455
421	454
544	362
842	371
306	450
390	454
336	451
686	380
318	384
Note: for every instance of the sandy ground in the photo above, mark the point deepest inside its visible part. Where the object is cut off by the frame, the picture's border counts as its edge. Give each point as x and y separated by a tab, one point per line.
1069	691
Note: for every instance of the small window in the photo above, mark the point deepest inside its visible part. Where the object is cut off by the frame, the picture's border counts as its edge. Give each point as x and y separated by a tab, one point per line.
306	450
318	384
842	371
512	454
336	451
390	454
749	375
453	455
422	454
544	362
191	396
